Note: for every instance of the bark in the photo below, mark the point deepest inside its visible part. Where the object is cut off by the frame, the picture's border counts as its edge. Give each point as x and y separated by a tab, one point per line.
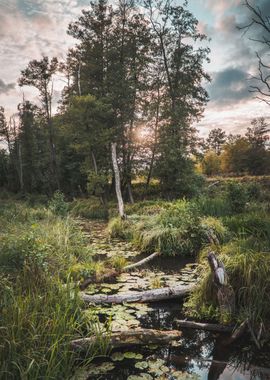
153	295
204	326
110	276
117	183
142	262
121	339
130	195
155	138
94	162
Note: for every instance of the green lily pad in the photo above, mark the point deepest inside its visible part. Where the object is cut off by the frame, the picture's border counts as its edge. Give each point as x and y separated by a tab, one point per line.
141	365
141	376
132	355
102	368
117	356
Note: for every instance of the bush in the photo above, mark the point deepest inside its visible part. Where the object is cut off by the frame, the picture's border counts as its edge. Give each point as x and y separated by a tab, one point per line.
40	309
58	205
237	196
176	230
89	209
255	224
248	272
213	206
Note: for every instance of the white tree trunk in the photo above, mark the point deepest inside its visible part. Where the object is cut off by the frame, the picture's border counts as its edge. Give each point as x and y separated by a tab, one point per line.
117	183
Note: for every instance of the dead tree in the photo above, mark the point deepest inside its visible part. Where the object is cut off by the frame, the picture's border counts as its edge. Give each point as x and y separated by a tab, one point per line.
117	183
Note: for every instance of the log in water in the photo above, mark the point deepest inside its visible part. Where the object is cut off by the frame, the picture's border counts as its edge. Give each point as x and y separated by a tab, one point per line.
152	295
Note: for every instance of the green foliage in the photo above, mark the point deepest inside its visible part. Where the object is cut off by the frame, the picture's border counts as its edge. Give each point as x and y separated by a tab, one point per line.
213	206
58	205
89	208
120	228
96	183
237	197
177	229
211	163
248	272
40	309
253	224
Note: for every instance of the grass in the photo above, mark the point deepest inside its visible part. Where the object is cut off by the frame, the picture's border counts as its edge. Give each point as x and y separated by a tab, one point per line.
89	208
248	272
176	229
40	308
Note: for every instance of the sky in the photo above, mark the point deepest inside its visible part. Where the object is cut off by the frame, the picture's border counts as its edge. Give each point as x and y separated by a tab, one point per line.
30	29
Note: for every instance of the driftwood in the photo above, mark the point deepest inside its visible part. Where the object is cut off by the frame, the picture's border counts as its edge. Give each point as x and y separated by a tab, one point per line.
138	337
109	276
204	326
236	333
145	296
224	292
113	273
141	262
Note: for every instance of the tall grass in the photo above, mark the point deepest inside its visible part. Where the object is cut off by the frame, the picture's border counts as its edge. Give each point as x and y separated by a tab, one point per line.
40	309
89	208
177	229
248	272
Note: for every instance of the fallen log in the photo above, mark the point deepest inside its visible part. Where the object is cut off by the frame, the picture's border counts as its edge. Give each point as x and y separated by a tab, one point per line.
142	262
109	276
121	339
204	326
152	295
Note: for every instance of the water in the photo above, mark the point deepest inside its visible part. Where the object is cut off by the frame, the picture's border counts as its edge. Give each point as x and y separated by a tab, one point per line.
197	355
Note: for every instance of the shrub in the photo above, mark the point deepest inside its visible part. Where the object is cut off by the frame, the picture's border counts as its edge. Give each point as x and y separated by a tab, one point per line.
237	196
254	224
58	205
213	206
89	209
248	272
176	230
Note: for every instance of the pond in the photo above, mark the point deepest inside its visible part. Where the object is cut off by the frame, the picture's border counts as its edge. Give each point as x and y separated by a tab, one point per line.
196	355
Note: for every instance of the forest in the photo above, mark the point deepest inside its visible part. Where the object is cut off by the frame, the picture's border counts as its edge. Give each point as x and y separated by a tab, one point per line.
108	190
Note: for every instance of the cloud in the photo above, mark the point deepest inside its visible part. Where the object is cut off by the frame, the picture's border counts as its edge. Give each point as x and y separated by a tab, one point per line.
221	6
229	87
5	88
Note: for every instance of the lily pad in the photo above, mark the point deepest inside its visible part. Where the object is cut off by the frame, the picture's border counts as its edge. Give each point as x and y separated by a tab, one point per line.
117	356
141	365
132	355
141	376
102	368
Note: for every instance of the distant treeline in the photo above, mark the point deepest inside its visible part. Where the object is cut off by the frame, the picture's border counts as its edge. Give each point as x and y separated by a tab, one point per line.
236	154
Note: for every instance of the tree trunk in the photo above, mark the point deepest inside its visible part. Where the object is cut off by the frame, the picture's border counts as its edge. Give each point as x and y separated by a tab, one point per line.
153	295
121	339
130	195
117	183
94	162
141	262
204	326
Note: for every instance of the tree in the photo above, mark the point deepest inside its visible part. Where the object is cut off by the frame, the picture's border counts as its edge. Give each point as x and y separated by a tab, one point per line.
235	156
88	133
3	168
175	31
39	74
211	163
114	53
258	156
216	139
259	24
